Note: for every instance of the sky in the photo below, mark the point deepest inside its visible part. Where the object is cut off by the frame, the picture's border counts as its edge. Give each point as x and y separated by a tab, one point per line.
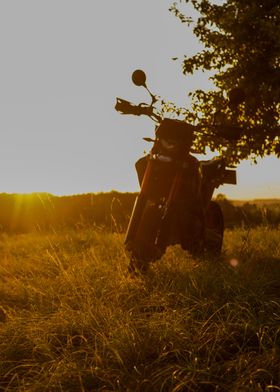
63	63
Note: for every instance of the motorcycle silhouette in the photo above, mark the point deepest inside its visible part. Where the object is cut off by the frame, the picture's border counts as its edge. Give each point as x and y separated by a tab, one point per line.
174	205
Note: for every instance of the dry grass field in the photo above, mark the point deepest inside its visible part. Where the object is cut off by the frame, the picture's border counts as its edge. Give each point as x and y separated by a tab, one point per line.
71	319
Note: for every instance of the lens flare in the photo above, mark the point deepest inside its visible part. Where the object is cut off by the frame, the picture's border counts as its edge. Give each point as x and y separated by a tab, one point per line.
233	262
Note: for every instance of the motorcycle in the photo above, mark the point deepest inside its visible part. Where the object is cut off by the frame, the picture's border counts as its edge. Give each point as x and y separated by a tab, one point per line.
174	205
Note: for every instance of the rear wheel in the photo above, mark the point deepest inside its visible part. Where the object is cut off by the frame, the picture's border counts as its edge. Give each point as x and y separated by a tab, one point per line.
214	229
189	229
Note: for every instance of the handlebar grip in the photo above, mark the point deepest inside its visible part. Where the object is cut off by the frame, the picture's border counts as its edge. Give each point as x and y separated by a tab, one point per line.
126	107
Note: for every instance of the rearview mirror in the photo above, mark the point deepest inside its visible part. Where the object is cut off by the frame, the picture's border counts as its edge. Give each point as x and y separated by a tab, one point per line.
139	78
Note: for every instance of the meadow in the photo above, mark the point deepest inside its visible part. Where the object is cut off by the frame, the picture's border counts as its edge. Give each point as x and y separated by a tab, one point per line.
72	319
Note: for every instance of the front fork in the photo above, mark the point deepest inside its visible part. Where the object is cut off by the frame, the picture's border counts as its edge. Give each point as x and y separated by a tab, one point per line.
139	205
145	240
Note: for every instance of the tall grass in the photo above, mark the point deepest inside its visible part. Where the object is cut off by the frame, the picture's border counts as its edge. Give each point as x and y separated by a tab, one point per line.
72	319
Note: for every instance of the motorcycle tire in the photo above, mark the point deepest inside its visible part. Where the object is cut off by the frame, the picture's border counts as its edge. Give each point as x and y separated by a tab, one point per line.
143	249
214	229
187	229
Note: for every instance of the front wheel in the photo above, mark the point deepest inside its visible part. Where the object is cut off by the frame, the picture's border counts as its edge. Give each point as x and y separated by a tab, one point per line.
214	229
145	246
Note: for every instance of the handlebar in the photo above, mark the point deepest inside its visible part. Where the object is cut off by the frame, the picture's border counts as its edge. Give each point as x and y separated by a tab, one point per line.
126	107
228	132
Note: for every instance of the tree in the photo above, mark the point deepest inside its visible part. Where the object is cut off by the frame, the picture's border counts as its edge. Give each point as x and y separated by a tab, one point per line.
242	45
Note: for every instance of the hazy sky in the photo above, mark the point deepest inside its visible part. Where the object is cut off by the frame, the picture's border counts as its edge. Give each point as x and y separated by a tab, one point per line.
63	62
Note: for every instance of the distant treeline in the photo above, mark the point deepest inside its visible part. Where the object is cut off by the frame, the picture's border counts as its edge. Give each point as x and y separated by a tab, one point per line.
253	213
25	212
41	211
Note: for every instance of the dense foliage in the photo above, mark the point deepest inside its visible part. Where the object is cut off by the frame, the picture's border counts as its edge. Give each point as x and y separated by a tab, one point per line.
242	47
